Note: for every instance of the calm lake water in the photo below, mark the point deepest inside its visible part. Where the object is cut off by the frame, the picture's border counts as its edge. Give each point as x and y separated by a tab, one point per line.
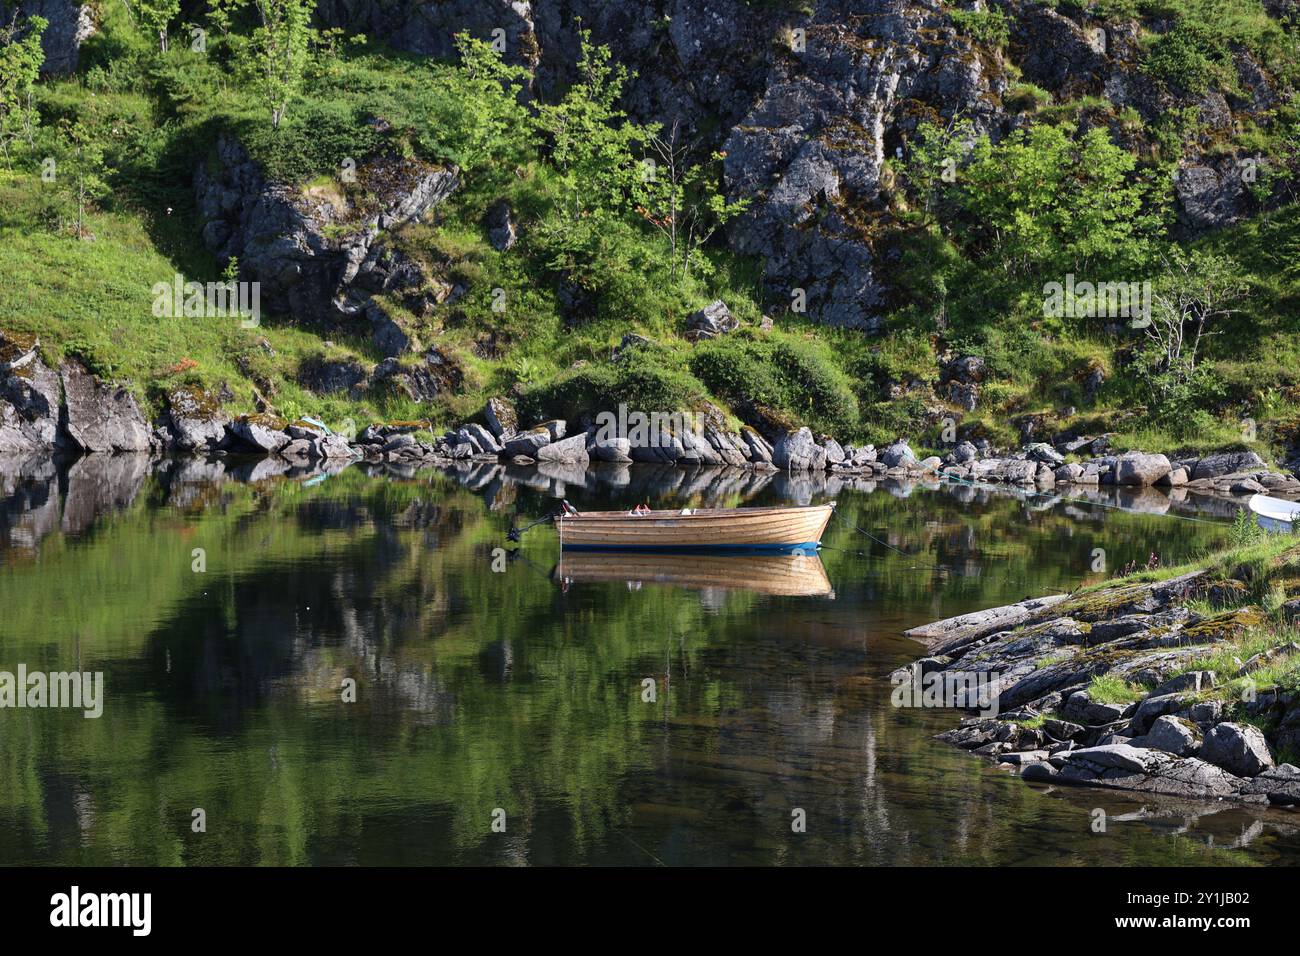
519	695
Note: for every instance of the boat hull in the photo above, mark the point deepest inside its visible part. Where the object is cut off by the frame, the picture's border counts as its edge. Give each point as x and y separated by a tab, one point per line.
712	530
1276	509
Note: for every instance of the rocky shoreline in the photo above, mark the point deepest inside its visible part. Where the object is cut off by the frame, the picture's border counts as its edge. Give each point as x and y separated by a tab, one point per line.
1115	688
68	411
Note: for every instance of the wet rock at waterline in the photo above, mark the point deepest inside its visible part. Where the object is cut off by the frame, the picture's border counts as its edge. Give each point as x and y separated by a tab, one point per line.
1047	655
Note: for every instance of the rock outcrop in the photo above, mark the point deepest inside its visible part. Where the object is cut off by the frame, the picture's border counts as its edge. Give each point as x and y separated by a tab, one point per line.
69	26
30	398
1039	662
314	250
808	101
100	417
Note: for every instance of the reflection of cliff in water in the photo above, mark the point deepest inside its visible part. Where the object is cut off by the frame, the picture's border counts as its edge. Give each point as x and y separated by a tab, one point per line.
479	689
37	496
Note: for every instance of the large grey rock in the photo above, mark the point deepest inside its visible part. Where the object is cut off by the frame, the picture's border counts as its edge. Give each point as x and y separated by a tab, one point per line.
1138	468
1210	196
797	451
69	26
194	420
1016	472
834	452
572	450
1118	757
332	447
1045	453
306	249
1192	682
29	401
527	443
1081	707
611	449
1172	735
501	228
1152	707
484	441
759	451
501	416
99	417
256	434
1239	749
898	454
1226	463
804	167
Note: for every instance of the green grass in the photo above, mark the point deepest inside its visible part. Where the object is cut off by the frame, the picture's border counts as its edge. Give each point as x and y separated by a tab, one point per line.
158	117
1108	689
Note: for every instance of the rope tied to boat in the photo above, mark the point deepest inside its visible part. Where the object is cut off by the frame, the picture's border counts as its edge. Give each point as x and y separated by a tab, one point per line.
847	523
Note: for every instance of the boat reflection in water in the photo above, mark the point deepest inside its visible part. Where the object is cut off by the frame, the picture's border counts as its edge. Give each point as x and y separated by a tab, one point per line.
783	575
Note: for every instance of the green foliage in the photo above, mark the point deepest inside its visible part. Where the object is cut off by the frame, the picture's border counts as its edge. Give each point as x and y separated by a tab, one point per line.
476	119
1189	55
155	15
1245	529
1026	98
276	56
1196	292
685	203
1040	200
315	137
1196	52
1109	689
990	27
78	179
786	374
932	160
592	144
21	57
644	378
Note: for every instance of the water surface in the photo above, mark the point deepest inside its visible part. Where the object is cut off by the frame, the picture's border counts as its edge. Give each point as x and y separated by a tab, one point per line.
520	694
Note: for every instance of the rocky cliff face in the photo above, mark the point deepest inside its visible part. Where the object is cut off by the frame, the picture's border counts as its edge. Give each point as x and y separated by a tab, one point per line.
64	409
808	100
314	250
70	25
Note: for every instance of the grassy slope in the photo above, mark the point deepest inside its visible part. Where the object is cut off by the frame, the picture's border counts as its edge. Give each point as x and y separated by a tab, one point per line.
92	298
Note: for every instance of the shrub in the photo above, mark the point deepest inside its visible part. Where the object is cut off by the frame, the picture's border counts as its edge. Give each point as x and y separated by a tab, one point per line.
782	373
644	378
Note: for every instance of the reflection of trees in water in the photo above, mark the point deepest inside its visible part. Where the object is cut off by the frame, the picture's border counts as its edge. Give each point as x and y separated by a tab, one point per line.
480	690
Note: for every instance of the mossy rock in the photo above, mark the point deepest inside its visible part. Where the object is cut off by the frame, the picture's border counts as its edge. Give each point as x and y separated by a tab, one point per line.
190	401
1228	626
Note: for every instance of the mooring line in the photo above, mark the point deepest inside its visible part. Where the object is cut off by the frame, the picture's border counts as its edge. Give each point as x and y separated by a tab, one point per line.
884	544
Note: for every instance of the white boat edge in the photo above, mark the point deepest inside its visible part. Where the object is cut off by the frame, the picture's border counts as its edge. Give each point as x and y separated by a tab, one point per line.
1278	509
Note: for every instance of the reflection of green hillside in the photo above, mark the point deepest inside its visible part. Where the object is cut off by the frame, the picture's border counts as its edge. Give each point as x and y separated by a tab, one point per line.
481	690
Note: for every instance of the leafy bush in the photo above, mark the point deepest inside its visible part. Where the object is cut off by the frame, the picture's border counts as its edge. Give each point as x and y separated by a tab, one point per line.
785	374
644	378
1187	56
990	27
312	139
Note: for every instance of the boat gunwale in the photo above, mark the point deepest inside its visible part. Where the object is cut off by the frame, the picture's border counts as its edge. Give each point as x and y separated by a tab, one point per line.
664	515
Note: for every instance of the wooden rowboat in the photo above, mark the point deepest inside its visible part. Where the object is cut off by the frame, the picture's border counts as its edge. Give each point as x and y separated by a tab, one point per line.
783	575
781	530
1277	509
